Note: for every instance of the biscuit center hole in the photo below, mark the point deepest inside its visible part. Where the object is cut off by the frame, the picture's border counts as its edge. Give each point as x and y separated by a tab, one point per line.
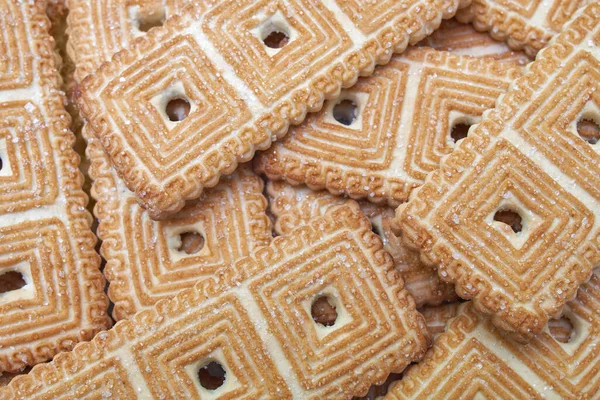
323	312
561	329
1	165
211	376
510	218
191	242
178	109
345	112
589	130
151	20
276	39
459	132
10	281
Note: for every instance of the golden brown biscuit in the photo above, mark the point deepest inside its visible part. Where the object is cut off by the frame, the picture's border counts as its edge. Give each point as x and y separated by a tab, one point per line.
513	215
527	25
472	358
146	260
296	206
252	328
463	39
381	138
190	100
51	289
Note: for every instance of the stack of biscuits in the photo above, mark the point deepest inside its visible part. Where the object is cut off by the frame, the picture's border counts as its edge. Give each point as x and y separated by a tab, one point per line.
299	199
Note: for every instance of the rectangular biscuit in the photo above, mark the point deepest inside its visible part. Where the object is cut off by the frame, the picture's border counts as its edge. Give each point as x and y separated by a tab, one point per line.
146	260
296	206
513	214
380	138
190	100
51	288
256	325
472	358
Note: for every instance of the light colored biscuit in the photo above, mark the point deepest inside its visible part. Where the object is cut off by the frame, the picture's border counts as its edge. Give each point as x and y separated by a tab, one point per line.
472	358
463	39
296	206
527	25
145	261
530	159
381	138
148	260
190	100
255	324
51	289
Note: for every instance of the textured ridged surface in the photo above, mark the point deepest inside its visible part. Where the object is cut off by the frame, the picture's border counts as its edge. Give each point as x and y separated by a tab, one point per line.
255	320
242	94
525	157
45	235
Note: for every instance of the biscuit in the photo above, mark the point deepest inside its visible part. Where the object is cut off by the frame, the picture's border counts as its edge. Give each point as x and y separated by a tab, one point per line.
249	325
190	100
51	288
382	137
527	25
473	358
463	39
146	260
513	214
296	206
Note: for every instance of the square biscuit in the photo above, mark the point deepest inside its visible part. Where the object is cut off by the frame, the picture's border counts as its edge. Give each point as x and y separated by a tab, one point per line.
512	215
51	288
252	323
190	100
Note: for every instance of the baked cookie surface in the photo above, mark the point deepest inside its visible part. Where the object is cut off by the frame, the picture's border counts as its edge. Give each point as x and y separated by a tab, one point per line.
252	323
472	357
190	100
380	138
51	288
293	206
512	216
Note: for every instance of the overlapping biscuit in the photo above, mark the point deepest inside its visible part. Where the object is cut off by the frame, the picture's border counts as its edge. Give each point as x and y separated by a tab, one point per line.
463	39
146	260
254	327
190	100
513	215
473	358
296	206
51	289
381	138
527	25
